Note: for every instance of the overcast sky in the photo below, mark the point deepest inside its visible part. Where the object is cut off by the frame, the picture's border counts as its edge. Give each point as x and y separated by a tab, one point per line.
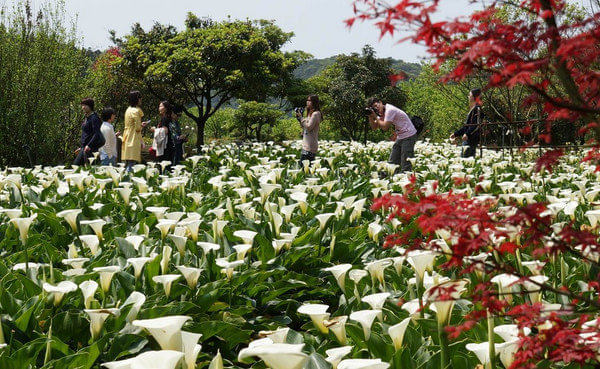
318	25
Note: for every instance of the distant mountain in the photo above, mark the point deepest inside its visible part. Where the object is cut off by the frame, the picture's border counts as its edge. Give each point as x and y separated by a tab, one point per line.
314	66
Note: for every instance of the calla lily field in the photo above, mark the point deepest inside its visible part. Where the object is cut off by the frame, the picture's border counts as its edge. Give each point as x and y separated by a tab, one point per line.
242	258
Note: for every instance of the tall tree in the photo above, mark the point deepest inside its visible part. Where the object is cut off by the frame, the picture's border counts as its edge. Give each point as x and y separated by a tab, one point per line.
40	82
208	64
349	82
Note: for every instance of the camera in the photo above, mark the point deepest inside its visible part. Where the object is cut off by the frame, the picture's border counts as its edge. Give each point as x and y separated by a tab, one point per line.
370	110
299	110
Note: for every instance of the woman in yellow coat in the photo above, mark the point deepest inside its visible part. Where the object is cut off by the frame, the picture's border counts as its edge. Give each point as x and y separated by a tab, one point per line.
131	151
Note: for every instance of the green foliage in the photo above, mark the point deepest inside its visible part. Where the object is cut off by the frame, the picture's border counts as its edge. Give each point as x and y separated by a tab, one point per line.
255	121
442	106
209	63
345	86
40	85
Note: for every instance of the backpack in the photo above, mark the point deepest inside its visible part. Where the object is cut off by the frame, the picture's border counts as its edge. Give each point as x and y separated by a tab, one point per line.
417	123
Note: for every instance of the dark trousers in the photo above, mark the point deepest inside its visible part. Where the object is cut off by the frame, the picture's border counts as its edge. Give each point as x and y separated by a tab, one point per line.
306	155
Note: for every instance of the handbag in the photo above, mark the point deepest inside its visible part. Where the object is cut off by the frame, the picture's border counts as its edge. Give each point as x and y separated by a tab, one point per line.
152	152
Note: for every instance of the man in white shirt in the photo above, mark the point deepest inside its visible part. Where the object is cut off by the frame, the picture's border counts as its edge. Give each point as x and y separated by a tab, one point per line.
108	152
406	133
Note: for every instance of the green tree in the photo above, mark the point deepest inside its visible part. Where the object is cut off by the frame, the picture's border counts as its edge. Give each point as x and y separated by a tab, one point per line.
256	120
209	63
348	83
40	82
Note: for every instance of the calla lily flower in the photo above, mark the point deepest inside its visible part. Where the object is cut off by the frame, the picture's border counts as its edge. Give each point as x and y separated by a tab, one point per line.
23	225
217	361
277	355
179	242
190	274
246	236
317	313
97	318
396	332
228	266
136	299
218	226
125	193
75	263
165	259
138	264
288	211
482	351
277	336
323	218
335	355
241	250
70	216
164	359
191	348
365	318
362	364
165	225
301	200
443	297
376	270
88	289
59	290
337	325
505	284
106	274
510	332
532	286
192	226
158	211
135	241
166	280
92	242
96	226
373	230
339	273
421	260
33	268
376	300
165	330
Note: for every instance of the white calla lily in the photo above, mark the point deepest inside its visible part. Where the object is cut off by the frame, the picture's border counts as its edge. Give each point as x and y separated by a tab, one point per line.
167	281
58	291
277	355
317	313
88	289
365	318
165	330
339	273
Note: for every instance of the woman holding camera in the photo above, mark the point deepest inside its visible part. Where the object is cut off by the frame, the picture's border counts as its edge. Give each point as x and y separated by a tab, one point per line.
310	128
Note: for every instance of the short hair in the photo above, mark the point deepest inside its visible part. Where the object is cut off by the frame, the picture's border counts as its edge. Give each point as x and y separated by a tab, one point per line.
372	100
89	102
107	113
476	92
134	97
177	109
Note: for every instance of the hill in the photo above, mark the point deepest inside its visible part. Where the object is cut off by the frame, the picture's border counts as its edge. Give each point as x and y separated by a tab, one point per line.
314	66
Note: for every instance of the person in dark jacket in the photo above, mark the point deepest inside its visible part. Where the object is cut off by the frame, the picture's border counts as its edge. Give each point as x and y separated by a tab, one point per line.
91	136
470	132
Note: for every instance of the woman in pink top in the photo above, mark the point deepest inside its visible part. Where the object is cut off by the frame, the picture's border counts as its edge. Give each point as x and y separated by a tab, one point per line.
310	128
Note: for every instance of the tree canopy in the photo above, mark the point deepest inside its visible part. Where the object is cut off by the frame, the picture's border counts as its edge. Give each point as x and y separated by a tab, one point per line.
209	63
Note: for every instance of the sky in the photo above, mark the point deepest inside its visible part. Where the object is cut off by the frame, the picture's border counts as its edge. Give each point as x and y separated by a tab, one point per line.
318	25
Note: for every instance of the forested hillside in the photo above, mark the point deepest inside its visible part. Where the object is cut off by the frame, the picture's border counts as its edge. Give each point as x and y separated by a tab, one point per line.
314	66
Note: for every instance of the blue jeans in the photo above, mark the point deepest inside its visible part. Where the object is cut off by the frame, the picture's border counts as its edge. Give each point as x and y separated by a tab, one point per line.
109	161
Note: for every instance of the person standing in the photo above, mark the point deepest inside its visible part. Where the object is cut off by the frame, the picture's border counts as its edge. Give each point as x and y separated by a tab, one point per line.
91	136
406	133
131	150
163	143
108	152
470	132
310	128
177	136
